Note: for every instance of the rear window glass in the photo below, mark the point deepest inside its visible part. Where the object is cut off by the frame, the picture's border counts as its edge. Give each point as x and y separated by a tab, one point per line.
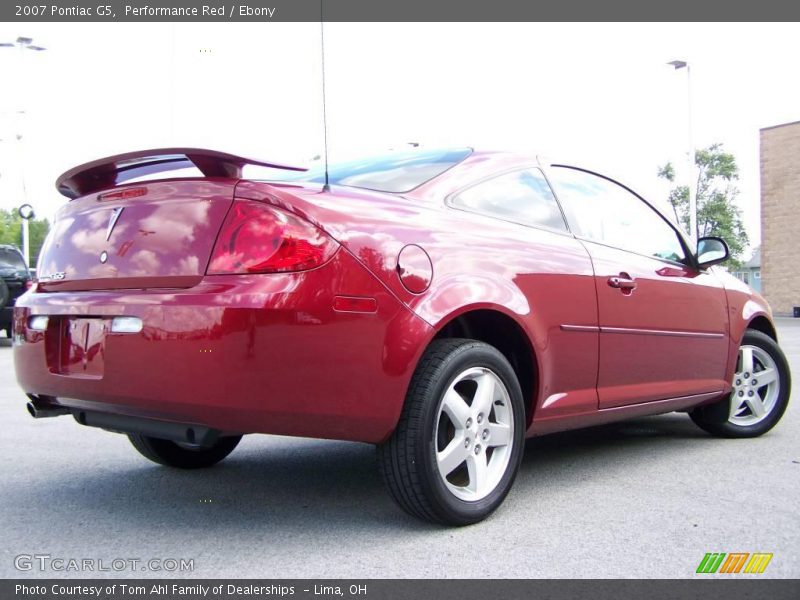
11	258
394	172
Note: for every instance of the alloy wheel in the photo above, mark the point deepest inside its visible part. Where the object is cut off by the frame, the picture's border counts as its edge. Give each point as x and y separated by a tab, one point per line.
756	386
474	434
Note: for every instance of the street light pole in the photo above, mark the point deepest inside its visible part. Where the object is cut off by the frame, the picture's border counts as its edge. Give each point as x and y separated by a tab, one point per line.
682	64
26	241
26	210
26	214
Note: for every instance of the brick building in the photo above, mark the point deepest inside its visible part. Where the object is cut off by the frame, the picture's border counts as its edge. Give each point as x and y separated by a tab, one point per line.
780	216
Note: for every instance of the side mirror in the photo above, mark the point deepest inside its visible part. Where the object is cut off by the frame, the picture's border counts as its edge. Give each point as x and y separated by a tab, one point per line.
711	251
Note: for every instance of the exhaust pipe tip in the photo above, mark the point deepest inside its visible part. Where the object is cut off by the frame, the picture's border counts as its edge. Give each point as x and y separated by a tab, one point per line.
40	410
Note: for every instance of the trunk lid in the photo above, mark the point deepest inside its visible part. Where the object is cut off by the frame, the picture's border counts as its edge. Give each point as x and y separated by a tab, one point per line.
152	234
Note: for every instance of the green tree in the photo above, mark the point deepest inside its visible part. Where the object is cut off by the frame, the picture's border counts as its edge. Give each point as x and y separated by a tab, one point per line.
11	232
717	213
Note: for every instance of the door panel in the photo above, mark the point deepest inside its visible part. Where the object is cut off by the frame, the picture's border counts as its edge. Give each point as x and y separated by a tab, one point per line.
663	326
666	337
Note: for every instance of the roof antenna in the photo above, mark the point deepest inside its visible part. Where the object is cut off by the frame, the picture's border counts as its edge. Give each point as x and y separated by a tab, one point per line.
326	187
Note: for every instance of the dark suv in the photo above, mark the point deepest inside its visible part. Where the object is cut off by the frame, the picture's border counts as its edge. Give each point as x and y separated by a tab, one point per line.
14	280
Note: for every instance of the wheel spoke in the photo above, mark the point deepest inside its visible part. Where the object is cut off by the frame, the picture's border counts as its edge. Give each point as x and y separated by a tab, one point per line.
455	408
484	396
737	404
499	435
452	456
747	360
756	405
478	470
765	377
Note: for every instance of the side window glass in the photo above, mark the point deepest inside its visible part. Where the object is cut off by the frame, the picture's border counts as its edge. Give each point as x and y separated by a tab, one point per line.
604	211
522	197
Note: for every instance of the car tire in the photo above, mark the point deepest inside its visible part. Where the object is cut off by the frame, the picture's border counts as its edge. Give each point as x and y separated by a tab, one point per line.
171	454
457	447
761	389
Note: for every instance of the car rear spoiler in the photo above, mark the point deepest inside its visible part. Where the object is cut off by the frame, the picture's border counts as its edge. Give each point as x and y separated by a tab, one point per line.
113	170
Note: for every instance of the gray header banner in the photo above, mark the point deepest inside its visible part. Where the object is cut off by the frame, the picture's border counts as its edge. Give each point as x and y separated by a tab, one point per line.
412	589
398	10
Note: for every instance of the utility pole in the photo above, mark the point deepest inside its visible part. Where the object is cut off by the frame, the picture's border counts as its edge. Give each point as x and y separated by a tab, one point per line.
682	64
26	212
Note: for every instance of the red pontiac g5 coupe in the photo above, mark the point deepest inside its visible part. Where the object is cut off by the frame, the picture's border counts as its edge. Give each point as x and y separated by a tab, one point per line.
443	305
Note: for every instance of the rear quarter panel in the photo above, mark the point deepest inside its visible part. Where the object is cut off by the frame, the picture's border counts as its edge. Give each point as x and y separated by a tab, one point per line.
540	278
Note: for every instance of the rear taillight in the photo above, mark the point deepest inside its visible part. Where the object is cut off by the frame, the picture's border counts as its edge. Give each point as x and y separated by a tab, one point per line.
258	238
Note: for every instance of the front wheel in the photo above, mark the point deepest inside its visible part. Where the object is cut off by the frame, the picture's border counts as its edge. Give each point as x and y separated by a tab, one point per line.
183	456
761	388
458	445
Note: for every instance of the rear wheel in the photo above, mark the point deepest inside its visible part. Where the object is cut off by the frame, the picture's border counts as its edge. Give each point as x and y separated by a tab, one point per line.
183	456
459	442
761	388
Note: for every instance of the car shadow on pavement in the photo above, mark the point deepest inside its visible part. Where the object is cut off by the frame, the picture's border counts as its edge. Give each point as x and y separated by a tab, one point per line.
283	485
625	437
5	342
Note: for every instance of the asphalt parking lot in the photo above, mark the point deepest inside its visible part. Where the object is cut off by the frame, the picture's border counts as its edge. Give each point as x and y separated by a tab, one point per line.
645	498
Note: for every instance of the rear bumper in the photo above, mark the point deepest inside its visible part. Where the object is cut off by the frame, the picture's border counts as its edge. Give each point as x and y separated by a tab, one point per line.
239	354
187	433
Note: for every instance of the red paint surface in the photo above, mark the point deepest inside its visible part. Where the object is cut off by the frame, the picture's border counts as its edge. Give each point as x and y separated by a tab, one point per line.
277	353
414	269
